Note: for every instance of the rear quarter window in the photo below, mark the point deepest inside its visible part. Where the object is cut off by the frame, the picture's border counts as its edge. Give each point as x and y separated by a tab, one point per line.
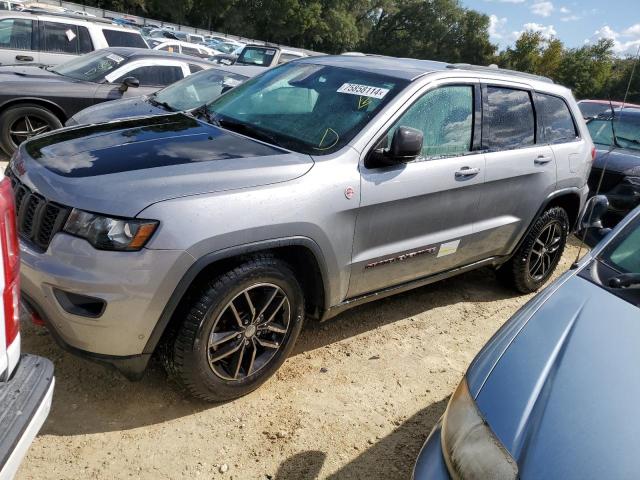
557	122
116	38
509	121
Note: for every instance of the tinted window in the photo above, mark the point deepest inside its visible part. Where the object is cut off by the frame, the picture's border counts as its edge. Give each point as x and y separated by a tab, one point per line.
190	51
256	56
4	6
509	122
195	68
557	122
85	43
592	109
155	75
445	117
287	57
16	33
59	38
116	38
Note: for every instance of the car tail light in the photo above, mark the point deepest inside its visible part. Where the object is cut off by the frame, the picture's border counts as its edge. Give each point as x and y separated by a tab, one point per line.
10	260
593	154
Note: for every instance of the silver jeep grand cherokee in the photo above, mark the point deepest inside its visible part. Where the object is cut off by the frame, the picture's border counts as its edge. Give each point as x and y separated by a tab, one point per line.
317	186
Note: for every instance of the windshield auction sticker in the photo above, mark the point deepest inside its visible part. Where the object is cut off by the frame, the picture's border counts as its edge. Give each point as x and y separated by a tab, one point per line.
363	90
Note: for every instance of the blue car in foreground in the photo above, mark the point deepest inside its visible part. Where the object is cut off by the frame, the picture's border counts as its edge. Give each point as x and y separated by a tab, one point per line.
553	395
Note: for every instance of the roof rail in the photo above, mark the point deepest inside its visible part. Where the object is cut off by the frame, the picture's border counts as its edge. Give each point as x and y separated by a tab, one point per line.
44	11
496	69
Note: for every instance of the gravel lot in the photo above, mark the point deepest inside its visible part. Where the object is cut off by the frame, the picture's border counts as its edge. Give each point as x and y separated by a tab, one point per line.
356	400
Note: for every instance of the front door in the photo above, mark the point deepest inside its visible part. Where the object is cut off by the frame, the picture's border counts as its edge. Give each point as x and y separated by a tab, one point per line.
416	219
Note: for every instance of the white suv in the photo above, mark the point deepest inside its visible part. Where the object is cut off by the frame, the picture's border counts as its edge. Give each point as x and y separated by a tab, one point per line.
52	39
26	381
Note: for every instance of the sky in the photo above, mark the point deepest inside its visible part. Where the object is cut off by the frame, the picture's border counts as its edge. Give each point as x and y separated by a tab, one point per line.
575	22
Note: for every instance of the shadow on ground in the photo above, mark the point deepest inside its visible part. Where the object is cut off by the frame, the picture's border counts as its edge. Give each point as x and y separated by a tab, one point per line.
90	398
390	458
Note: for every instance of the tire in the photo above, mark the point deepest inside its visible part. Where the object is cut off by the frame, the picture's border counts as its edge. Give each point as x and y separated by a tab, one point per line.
262	346
38	120
524	271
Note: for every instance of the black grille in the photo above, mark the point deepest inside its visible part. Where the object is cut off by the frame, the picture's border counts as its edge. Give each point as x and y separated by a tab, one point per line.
609	181
38	219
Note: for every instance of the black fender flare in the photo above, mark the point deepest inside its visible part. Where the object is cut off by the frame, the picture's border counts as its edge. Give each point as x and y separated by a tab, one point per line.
208	259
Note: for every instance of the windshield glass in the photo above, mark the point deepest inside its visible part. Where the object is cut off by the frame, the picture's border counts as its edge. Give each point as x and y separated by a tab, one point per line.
623	253
198	89
314	109
261	57
91	67
626	126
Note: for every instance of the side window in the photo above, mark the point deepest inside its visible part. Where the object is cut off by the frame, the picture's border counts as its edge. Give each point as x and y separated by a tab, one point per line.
116	38
445	117
59	38
16	33
4	6
85	43
509	122
195	68
190	51
557	122
161	75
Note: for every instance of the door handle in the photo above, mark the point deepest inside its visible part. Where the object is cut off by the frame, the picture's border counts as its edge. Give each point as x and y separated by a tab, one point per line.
24	58
466	172
542	159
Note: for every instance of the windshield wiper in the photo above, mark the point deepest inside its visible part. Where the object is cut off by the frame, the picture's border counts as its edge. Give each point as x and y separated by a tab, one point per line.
248	130
625	280
203	111
164	105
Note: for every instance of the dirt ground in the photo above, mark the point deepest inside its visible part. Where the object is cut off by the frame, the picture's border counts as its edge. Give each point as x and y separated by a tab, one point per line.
355	401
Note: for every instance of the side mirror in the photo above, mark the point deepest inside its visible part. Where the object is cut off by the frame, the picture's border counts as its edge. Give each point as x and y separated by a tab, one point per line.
406	145
129	82
591	220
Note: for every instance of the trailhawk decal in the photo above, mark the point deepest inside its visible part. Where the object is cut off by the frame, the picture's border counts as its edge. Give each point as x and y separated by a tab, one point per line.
363	90
402	258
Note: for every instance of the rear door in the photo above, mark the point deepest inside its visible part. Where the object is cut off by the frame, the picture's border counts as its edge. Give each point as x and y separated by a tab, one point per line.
520	167
60	42
18	41
416	219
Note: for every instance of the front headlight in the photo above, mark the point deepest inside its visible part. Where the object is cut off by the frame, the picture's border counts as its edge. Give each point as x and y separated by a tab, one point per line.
470	449
106	233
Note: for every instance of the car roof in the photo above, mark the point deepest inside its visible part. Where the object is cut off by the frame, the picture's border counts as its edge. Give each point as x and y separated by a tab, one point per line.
172	41
411	68
130	53
66	18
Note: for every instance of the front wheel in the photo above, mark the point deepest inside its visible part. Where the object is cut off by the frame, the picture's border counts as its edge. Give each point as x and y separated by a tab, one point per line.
539	255
239	330
22	122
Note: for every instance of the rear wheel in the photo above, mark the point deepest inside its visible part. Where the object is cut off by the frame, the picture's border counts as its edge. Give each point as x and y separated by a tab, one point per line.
239	330
22	122
539	254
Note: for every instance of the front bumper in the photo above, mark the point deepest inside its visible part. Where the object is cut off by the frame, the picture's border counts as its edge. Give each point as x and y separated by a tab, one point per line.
134	286
25	401
430	464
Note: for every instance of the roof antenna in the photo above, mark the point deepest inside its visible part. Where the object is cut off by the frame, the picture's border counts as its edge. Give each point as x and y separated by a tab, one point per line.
612	147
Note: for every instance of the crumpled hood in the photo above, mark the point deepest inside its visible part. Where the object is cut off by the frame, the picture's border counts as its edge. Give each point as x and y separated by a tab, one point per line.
563	396
116	109
120	168
620	160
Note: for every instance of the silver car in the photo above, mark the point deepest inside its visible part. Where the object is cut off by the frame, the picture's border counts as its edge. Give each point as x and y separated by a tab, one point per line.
317	186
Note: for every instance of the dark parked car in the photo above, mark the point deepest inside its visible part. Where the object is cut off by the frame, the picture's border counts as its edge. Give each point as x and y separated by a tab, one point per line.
619	133
34	99
187	94
553	394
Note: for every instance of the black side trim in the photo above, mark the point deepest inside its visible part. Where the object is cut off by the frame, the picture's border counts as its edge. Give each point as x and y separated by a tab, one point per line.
213	257
20	398
131	366
403	287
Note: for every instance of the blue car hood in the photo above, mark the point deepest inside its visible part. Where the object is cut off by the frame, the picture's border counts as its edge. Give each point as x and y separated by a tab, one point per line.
562	398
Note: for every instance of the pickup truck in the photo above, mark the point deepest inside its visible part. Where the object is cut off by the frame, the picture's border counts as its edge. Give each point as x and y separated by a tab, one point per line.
26	381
